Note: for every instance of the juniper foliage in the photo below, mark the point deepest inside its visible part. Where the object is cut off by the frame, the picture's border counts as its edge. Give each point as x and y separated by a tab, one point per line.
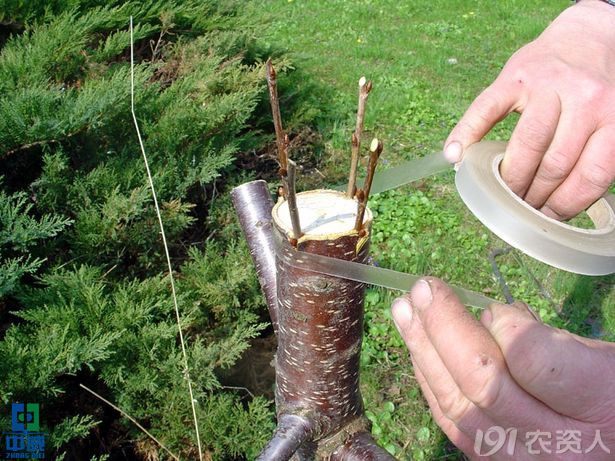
83	295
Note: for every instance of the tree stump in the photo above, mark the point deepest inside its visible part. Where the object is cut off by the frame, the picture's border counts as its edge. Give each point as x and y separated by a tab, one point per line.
319	330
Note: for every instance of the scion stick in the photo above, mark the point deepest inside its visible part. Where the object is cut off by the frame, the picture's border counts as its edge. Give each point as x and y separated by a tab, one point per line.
280	138
289	185
375	151
364	88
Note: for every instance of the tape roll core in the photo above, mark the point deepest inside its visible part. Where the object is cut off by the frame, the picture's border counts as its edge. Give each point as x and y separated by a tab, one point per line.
584	251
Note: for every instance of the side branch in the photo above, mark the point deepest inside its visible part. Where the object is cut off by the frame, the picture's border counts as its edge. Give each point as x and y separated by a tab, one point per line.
253	204
292	199
375	151
291	433
361	447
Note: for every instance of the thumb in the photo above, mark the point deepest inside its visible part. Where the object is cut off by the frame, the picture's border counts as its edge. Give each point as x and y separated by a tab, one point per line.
491	106
553	365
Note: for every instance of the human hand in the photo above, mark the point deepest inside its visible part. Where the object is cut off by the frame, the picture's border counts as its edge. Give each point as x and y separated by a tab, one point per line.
561	155
508	372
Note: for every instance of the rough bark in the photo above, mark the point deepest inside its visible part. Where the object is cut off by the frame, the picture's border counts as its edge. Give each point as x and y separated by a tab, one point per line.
319	332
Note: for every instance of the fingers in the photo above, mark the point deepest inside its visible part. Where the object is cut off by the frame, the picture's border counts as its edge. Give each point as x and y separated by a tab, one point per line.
573	131
569	376
530	140
473	359
455	407
491	106
589	180
461	440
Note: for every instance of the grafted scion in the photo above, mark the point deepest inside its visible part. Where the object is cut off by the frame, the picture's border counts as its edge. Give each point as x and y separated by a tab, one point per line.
318	319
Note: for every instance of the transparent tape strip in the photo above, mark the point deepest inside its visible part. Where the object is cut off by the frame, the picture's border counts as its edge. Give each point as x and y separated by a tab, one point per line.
480	186
407	172
363	273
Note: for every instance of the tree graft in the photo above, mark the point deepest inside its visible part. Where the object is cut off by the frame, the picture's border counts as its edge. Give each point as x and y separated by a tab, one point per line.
319	326
318	319
355	141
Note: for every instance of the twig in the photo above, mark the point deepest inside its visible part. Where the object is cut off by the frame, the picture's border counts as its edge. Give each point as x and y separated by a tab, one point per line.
135	422
375	151
498	275
364	88
280	137
109	271
239	388
289	184
164	241
42	142
543	290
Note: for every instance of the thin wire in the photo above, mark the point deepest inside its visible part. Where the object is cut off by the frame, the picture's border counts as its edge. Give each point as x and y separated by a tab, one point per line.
164	240
173	455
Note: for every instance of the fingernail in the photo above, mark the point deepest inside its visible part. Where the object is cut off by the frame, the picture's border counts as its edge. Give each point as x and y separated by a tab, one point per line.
453	151
487	318
401	311
421	294
527	310
547	211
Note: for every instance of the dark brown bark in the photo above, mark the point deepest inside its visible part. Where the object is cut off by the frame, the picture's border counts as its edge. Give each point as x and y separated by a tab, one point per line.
291	433
319	332
253	204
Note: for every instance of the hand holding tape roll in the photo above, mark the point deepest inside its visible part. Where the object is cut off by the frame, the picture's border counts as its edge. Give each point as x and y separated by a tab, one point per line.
584	251
480	186
478	181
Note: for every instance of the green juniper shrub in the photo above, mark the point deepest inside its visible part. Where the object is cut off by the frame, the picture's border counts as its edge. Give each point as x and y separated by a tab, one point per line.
84	295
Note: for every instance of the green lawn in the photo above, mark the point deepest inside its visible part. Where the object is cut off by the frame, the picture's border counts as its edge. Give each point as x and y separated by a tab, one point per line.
427	61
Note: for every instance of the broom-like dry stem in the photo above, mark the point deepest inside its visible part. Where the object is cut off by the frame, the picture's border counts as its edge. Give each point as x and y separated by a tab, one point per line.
280	137
364	88
134	421
290	181
375	151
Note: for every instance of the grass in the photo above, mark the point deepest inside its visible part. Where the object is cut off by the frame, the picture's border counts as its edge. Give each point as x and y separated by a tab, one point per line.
427	60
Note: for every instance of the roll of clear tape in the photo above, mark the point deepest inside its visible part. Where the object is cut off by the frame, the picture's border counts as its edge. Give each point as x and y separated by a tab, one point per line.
583	251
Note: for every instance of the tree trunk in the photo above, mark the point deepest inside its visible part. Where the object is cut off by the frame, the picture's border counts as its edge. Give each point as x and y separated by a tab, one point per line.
319	331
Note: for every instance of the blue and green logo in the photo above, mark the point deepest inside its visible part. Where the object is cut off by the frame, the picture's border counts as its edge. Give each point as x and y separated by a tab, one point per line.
25	441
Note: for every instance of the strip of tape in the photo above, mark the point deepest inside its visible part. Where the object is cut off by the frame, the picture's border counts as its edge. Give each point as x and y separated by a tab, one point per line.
406	172
480	186
364	273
